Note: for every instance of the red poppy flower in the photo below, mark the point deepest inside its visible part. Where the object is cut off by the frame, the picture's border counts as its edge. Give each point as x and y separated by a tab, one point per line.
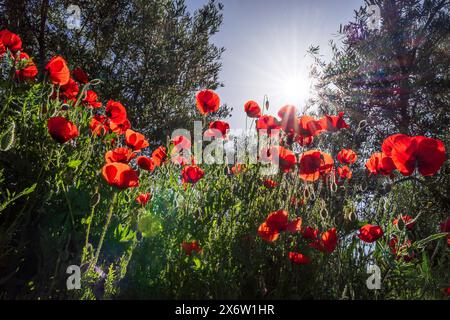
396	249
92	99
27	70
406	219
145	163
98	125
347	156
11	40
407	152
123	155
207	101
217	129
237	168
431	154
289	120
159	156
315	163
277	220
275	223
304	140
270	184
69	90
252	109
61	129
80	75
135	140
333	123
309	233
58	70
143	198
370	233
189	247
344	172
327	243
120	175
282	157
299	258
191	174
268	123
380	163
120	128
309	127
116	112
268	234
294	225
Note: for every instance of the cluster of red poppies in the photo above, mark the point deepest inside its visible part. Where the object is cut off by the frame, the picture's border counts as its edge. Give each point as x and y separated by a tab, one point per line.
313	164
300	129
277	222
404	153
11	44
371	233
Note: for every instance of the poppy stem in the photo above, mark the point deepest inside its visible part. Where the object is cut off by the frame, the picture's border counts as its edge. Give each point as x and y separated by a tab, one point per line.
105	229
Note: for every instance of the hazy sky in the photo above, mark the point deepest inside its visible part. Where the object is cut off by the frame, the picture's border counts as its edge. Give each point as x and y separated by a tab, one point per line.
266	43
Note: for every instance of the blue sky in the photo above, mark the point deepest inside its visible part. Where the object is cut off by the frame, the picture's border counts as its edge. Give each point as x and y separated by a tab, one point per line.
266	43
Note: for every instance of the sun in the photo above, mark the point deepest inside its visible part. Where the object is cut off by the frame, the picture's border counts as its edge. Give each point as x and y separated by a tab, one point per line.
294	89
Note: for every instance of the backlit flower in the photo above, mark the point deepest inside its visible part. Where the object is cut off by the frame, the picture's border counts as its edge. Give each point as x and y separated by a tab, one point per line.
58	71
344	172
115	111
123	155
159	156
252	109
407	220
27	72
207	101
347	156
299	258
370	233
135	140
191	174
145	163
380	163
315	163
120	175
61	129
333	123
10	40
143	198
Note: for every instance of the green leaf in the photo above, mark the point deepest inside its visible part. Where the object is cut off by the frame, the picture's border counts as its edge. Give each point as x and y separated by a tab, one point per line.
74	163
423	242
197	263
